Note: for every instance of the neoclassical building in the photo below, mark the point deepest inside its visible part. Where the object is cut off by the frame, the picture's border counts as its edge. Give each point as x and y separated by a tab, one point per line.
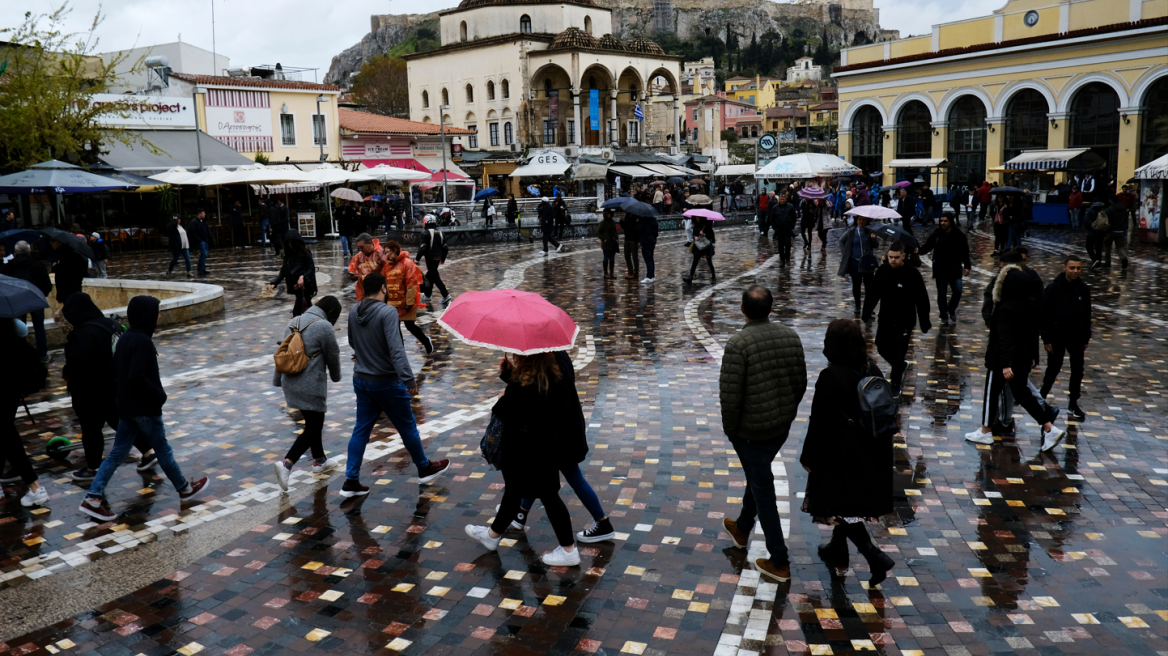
1036	74
532	73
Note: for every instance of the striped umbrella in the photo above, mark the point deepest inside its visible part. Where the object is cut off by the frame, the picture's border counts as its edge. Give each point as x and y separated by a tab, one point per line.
813	193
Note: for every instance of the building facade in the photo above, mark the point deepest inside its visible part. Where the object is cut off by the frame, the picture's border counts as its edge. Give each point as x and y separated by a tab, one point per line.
373	139
707	116
804	69
1034	75
179	57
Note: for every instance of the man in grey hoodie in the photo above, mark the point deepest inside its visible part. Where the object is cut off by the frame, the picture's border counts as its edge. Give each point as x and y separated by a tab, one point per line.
383	382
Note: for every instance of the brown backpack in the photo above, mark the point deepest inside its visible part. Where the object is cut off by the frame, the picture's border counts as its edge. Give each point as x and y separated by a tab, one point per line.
291	358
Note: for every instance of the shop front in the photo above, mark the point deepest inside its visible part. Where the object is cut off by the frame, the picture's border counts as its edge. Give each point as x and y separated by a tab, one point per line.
1037	171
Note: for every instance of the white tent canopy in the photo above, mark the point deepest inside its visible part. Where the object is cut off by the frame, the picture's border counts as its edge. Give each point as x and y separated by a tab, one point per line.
920	163
803	166
272	175
1055	160
735	170
328	174
387	173
175	175
633	171
543	163
1157	169
208	176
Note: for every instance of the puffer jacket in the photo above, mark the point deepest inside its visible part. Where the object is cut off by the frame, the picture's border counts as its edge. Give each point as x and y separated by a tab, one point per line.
403	279
763	379
308	390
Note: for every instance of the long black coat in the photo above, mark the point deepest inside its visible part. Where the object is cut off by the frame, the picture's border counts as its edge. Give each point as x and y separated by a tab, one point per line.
1066	312
851	472
89	358
950	253
542	432
902	297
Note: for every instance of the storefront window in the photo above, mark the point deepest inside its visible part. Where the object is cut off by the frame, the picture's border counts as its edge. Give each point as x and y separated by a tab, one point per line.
914	134
1025	123
867	140
967	141
1095	122
1155	108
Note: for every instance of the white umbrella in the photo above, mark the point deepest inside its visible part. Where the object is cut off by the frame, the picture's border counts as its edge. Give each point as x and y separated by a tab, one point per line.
801	166
174	175
385	172
874	212
344	193
269	175
333	175
212	175
1157	169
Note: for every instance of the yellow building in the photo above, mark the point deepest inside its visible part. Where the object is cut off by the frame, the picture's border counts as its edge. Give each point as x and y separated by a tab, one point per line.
758	91
1035	74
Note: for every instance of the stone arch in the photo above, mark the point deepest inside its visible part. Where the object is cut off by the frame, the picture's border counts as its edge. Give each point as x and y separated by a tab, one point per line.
447	119
445	96
469	93
901	101
603	76
426	119
525	24
490	89
560	79
631	74
854	108
492	115
1068	94
1012	89
953	96
425	98
470	117
1145	82
505	86
670	79
507	112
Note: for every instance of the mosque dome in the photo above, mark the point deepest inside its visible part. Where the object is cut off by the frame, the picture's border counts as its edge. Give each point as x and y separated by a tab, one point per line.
574	37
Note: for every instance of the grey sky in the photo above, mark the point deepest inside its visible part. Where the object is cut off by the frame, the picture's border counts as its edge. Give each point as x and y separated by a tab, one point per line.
308	33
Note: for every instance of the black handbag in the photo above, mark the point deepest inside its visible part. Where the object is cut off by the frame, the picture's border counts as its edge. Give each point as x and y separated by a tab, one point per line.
491	445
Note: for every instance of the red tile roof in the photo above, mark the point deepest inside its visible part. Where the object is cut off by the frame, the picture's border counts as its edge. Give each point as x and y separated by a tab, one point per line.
366	123
253	82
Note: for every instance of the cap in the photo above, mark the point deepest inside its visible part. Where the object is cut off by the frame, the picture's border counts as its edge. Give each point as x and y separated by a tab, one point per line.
95	235
544	199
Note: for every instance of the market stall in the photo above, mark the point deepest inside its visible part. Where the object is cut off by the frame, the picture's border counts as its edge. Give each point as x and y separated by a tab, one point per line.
1035	171
1153	178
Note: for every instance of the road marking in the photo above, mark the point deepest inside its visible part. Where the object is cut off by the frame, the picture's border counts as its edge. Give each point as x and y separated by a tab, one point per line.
691	309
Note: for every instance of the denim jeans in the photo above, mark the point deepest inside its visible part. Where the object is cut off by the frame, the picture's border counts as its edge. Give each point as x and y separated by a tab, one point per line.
186	255
129	429
373	398
203	257
943	287
1015	237
647	254
345	248
264	225
759	499
583	490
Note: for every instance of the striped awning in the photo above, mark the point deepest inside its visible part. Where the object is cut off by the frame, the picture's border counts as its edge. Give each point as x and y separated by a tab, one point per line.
1056	160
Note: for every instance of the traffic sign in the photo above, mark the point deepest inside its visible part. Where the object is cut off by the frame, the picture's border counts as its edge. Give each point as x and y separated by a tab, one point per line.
766	142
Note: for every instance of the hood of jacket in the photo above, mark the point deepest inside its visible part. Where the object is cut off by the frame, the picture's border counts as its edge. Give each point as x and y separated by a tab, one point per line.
1010	284
368	309
143	313
80	308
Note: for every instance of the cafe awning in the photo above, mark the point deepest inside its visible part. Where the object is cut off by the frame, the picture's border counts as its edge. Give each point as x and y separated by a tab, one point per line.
633	171
1157	169
1062	159
663	169
735	170
177	148
538	170
924	163
591	172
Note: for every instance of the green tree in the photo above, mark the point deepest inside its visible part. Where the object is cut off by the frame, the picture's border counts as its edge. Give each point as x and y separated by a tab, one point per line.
45	93
382	86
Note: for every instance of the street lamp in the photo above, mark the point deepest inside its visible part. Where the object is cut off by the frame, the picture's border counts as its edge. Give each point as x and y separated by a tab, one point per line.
319	99
442	109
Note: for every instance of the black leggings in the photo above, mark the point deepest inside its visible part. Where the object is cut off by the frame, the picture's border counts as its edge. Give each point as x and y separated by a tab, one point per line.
823	238
417	332
12	449
93	417
557	514
859	279
310	438
1001	232
807	232
697	256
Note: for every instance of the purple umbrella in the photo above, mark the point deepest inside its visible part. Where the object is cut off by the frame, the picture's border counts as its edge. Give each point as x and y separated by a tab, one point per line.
709	214
813	193
903	183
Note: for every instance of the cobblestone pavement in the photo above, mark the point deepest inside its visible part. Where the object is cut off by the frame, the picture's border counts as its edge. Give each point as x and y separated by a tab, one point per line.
998	550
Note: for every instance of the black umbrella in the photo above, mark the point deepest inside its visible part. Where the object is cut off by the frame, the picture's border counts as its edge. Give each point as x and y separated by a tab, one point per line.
894	233
71	240
19	297
617	203
638	208
33	238
1006	190
675	180
877	174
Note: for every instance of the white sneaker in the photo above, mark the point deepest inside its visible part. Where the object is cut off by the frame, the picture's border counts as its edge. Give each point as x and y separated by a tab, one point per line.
647	281
978	437
327	466
559	248
282	473
483	535
561	558
1051	438
40	497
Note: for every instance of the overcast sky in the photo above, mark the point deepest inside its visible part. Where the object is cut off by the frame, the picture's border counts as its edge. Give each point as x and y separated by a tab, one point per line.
307	33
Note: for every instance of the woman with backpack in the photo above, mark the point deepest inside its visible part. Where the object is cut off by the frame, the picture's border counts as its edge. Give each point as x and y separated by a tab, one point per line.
24	375
850	472
307	390
298	272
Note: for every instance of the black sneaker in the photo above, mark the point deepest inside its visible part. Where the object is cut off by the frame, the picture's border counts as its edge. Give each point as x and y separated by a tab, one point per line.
146	463
520	520
1076	413
83	475
598	532
944	320
353	488
429	345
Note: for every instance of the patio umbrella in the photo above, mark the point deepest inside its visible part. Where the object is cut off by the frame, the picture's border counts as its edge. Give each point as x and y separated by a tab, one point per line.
486	193
19	297
675	180
699	199
533	190
386	173
71	240
174	175
1006	190
54	177
812	192
709	214
656	183
893	232
805	166
344	193
510	320
638	208
874	212
698	181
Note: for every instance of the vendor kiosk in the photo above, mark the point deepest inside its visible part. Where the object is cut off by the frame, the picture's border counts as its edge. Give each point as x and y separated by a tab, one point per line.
1036	171
1153	178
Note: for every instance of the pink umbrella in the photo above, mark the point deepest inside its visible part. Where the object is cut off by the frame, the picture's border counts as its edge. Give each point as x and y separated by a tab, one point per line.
709	214
874	212
510	320
812	193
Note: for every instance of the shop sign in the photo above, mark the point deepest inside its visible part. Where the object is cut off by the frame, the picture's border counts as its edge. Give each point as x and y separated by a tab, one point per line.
428	148
547	157
145	111
456	152
239	121
377	150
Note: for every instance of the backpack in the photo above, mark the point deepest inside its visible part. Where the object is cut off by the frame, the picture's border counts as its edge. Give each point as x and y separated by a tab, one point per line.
116	331
1102	222
442	252
877	407
491	445
291	358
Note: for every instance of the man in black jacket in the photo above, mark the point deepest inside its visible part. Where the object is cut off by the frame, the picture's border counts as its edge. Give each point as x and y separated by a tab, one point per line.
547	224
89	374
238	227
950	264
139	402
433	252
200	238
278	220
781	216
1117	218
903	299
69	270
1066	328
26	267
907	207
346	229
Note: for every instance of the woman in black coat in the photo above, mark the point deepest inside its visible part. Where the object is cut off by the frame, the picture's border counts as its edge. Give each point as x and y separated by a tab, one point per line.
298	272
703	227
543	431
849	477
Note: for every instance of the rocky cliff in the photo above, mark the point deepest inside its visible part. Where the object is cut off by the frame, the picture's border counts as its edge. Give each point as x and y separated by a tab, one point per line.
386	32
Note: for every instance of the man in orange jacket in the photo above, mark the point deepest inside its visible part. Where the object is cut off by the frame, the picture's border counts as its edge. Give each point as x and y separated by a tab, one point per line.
402	281
369	258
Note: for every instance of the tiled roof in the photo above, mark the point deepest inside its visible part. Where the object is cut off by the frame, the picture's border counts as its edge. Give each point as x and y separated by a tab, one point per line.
253	82
822	107
574	37
366	123
610	42
645	46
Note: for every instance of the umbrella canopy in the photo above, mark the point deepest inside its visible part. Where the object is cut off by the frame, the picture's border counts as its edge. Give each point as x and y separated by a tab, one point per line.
533	190
893	232
698	182
617	203
270	175
212	175
33	237
709	214
1157	169
656	183
812	192
699	199
903	183
71	240
804	166
328	174
344	193
510	320
486	193
877	174
675	180
385	172
874	212
54	177
638	208
1007	190
19	297
176	175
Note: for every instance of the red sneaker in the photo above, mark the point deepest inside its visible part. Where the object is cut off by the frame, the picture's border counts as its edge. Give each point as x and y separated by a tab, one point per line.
193	488
97	509
433	471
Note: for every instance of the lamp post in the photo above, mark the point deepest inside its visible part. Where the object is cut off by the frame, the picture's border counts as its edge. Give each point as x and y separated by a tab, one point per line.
442	123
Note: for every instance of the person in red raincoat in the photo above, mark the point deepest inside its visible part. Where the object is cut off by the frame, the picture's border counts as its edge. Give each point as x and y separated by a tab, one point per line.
403	280
369	258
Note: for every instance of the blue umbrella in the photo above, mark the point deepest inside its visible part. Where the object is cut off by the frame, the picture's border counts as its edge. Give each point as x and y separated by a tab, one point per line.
486	193
616	203
533	190
54	177
19	297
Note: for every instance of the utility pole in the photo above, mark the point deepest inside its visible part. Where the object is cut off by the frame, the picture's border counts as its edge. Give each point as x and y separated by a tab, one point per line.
442	109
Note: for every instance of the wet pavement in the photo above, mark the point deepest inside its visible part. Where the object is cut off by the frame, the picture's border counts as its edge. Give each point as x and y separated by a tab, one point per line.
998	550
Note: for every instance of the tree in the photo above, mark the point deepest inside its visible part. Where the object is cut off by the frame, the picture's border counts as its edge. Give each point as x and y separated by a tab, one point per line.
382	87
45	93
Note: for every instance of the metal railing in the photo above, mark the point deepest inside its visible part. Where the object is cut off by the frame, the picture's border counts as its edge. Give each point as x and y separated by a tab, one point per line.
471	213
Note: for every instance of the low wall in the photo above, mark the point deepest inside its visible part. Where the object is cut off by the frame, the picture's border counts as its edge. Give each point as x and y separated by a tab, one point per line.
181	302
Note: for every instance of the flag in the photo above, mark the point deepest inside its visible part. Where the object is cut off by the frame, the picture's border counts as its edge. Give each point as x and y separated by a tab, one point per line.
637	113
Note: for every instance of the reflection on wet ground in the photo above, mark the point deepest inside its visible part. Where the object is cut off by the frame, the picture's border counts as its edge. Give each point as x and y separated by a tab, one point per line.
999	549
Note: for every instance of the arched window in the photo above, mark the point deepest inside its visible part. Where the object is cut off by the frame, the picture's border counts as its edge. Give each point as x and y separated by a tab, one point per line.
490	90
1095	122
547	87
592	82
462	31
967	140
1155	105
445	97
1025	123
867	140
588	25
469	93
506	89
508	133
425	99
914	134
525	24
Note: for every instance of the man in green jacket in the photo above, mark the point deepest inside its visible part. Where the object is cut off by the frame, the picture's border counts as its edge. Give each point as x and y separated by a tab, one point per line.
763	379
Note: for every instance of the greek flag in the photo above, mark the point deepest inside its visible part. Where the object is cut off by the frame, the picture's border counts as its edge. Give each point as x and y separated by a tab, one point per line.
637	113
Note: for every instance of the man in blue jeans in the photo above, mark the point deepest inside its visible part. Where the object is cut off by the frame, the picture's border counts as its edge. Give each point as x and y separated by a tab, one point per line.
139	399
383	382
